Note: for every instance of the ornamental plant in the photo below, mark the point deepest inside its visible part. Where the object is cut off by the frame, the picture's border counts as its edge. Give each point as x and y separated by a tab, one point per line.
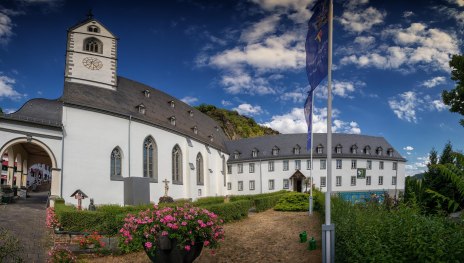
61	254
92	240
189	225
52	220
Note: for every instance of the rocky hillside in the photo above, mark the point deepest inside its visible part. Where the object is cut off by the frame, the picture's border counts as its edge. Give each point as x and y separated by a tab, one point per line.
234	125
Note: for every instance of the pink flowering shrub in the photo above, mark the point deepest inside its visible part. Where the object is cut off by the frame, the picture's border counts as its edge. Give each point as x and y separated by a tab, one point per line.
61	253
187	224
51	220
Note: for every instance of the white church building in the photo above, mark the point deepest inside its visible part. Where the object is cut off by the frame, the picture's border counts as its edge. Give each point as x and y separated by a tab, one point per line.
120	141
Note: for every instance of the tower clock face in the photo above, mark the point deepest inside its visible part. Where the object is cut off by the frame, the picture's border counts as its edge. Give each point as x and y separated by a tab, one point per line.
92	63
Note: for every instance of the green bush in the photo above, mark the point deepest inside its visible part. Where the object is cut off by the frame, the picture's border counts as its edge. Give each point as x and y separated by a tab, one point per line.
293	202
10	247
234	198
267	202
372	233
230	211
209	200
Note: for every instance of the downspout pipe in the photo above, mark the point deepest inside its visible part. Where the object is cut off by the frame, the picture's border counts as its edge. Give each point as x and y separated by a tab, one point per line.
129	146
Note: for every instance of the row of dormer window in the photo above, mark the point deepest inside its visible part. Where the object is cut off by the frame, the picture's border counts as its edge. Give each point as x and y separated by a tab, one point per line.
320	150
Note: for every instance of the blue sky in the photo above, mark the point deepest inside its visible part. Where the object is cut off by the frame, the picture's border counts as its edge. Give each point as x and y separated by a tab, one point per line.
390	60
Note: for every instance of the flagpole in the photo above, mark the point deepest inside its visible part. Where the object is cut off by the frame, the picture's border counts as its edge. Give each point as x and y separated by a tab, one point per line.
311	163
328	229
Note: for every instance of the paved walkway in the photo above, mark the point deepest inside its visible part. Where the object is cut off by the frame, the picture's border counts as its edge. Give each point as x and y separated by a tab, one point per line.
25	218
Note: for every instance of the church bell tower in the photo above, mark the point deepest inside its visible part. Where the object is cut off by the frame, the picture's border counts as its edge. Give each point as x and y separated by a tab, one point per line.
91	55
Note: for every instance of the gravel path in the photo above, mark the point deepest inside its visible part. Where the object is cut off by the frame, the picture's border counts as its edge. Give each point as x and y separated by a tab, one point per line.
269	236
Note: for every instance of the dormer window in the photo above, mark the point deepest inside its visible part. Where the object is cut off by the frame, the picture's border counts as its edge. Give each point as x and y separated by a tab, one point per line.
254	153
141	108
338	149
172	119
190	112
320	149
146	93
93	29
171	103
390	152
195	129
296	149
275	151
354	149
236	155
367	150
92	44
379	151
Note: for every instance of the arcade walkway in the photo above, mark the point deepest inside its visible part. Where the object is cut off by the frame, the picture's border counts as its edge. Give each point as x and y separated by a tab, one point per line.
25	218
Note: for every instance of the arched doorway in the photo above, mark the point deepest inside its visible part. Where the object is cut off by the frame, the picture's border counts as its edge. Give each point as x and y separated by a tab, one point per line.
29	164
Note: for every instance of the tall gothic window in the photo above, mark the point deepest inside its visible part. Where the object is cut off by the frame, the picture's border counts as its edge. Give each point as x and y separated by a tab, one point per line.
176	165
116	163
92	44
200	170
150	168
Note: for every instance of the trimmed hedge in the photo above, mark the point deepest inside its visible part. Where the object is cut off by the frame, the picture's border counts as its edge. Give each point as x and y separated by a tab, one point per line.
268	202
234	198
293	202
373	233
209	200
230	211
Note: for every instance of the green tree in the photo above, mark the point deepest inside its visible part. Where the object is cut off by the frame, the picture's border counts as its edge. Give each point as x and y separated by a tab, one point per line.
455	97
1	111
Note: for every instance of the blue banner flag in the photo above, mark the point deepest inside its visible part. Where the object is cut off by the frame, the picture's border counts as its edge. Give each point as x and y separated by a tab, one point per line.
317	44
308	112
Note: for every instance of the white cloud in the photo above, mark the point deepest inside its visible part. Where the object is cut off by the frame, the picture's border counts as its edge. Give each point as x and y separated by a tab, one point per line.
342	89
417	166
9	110
296	10
459	2
6	28
226	103
239	82
407	14
433	82
297	96
364	41
7	90
359	19
189	100
248	109
294	122
410	102
258	30
408	148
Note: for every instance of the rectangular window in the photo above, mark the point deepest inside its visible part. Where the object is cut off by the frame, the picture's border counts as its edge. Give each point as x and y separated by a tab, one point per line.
285	165
338	181
252	167
286	183
323	164
240	185
229	186
297	164
271	184
338	150
369	165
271	166
368	180
381	165
240	168
380	180
319	150
395	166
354	164
308	164
322	181
353	180
394	180
229	169
339	164
252	185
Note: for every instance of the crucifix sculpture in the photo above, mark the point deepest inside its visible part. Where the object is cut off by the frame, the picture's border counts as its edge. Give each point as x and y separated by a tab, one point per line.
166	187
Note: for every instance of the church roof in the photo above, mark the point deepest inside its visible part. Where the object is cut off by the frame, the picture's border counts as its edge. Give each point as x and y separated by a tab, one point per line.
39	111
287	142
159	109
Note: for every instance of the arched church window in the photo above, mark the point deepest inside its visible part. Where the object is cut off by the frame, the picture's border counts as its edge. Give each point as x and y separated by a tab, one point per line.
93	45
224	168
200	170
150	160
93	29
176	165
116	163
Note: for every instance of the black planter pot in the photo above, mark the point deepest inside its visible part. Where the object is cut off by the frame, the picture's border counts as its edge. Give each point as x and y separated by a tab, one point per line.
167	251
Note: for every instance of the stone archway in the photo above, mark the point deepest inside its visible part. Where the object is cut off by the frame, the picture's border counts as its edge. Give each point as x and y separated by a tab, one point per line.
297	179
30	151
